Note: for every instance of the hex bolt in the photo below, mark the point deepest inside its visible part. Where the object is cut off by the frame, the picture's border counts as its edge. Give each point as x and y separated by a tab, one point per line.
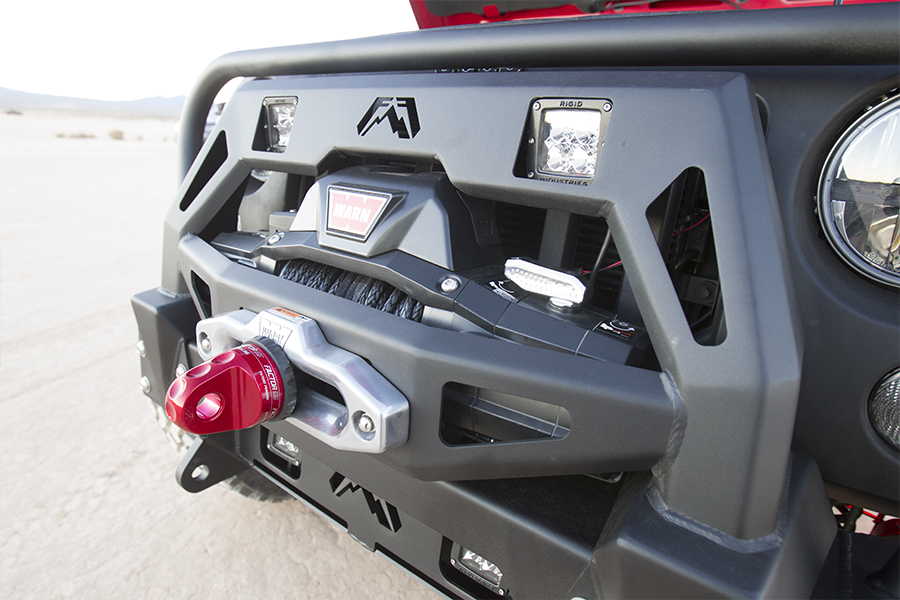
180	370
140	348
274	238
366	424
449	285
145	385
205	344
607	107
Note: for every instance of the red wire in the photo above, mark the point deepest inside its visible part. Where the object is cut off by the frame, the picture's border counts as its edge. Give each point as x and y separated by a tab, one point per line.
679	232
615	264
686	229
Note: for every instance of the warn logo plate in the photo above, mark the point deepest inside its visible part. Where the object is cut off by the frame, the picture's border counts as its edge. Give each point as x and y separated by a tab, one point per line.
354	213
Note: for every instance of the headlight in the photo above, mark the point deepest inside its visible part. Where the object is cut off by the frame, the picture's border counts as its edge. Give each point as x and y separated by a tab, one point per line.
859	194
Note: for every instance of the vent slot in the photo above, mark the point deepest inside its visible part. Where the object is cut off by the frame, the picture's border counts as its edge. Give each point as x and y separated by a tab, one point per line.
214	159
472	415
608	282
521	229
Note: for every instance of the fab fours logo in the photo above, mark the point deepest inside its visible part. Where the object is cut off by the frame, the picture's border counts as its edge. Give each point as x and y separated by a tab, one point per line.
400	113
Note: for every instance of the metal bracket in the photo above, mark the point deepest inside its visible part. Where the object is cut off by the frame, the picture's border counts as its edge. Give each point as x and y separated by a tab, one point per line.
205	465
374	415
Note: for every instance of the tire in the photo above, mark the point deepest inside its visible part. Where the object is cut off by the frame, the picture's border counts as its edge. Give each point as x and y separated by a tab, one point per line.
249	484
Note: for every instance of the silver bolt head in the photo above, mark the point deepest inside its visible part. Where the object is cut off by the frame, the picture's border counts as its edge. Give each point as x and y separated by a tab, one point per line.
561	303
145	385
366	424
530	174
607	107
531	141
140	348
449	285
180	370
273	239
537	106
205	344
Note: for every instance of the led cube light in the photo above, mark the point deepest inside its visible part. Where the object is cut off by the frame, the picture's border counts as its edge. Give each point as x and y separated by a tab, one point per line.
279	121
567	136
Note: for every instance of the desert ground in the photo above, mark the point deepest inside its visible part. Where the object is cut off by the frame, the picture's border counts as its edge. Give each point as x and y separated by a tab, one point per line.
89	507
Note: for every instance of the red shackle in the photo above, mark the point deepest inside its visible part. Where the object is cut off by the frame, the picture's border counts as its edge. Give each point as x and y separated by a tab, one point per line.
237	389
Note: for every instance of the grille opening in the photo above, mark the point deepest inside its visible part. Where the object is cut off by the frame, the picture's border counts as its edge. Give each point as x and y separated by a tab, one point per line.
472	415
681	221
214	159
591	233
521	229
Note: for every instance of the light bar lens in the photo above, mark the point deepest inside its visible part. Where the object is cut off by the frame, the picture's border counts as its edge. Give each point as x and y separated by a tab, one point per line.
570	142
859	194
481	567
280	121
478	568
546	282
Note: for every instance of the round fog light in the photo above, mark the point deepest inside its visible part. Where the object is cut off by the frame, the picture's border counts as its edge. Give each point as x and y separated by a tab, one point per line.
884	408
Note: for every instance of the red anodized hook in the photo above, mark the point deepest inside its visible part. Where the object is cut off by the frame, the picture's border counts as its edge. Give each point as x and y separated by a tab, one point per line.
237	389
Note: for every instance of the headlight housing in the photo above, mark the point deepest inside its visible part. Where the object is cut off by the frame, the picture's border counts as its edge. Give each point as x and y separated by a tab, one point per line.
859	194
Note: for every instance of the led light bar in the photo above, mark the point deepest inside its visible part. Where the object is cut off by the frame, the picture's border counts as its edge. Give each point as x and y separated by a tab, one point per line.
279	121
478	568
567	136
563	289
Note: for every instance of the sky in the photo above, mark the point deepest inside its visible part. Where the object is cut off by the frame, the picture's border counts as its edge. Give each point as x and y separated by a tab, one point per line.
125	50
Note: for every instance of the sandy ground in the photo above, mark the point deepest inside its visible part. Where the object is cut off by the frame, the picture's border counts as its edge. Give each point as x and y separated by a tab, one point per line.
89	507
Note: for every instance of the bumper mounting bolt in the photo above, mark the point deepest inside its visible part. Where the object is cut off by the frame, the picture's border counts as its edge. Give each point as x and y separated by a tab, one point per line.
145	385
449	285
366	425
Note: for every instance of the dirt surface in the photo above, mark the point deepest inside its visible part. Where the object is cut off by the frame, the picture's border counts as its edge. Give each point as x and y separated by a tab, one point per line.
89	507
